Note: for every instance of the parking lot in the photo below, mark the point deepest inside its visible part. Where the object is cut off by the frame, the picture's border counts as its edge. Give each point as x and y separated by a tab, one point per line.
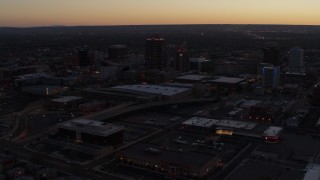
184	141
153	119
62	149
253	170
39	120
133	132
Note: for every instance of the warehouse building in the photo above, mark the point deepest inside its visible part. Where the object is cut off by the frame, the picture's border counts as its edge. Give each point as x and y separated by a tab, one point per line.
164	93
66	102
227	84
171	163
92	132
191	78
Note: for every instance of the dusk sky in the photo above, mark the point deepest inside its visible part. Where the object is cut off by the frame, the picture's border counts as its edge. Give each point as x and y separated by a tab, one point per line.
130	12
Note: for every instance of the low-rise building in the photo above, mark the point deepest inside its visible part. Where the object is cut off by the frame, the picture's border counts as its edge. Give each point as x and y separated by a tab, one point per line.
264	112
170	163
207	124
157	76
6	161
46	173
163	92
92	132
8	73
66	102
227	84
43	90
191	78
16	172
92	106
272	134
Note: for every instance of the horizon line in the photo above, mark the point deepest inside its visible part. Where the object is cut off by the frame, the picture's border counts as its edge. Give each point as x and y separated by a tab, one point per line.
122	25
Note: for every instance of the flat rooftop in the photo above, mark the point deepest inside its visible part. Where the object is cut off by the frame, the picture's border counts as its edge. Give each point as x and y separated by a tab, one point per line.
176	84
155	153
235	111
227	80
44	89
200	122
249	103
313	172
154	89
236	124
291	86
34	75
200	59
206	122
295	73
192	77
91	127
65	99
272	131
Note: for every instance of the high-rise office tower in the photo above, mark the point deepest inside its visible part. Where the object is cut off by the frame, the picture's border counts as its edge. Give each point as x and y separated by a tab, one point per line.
84	59
296	63
155	54
181	61
271	77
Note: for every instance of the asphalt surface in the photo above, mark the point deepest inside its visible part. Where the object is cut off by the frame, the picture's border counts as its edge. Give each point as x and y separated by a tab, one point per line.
61	165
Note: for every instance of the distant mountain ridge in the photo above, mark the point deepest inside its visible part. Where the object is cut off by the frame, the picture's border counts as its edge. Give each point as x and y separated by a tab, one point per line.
153	28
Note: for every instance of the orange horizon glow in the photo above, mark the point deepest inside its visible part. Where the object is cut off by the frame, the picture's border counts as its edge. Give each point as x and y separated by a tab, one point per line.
19	13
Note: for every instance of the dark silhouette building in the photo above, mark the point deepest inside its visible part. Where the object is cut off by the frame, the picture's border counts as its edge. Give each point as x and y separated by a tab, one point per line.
116	52
84	58
155	53
316	95
271	55
181	61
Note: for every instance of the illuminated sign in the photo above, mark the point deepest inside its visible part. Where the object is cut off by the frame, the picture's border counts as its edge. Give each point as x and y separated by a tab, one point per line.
228	132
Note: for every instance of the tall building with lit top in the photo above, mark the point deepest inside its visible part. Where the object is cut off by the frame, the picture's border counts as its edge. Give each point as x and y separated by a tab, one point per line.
181	60
296	63
155	53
